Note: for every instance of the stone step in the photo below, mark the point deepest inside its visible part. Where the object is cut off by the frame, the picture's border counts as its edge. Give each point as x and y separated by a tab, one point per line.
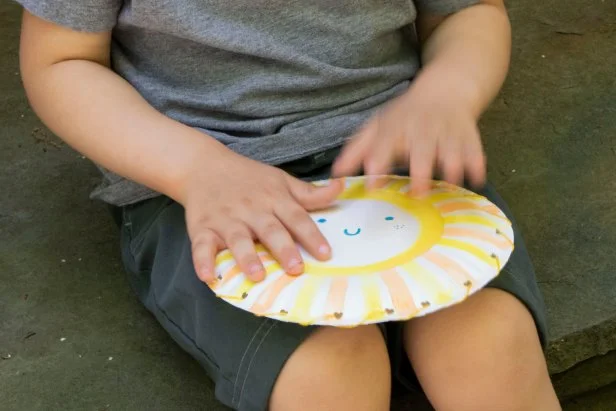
79	340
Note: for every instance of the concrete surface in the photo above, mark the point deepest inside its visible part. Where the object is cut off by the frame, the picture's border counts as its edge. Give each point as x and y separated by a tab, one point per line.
555	124
73	337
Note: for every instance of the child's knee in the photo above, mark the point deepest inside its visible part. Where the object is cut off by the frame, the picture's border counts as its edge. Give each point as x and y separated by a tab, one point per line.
483	353
338	369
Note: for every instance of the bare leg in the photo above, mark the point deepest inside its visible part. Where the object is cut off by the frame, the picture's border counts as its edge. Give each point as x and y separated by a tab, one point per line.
336	369
483	354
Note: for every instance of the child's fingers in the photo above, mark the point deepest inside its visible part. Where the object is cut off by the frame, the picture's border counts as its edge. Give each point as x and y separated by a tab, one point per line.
380	157
304	229
238	239
451	158
205	245
351	158
273	234
475	160
422	159
313	197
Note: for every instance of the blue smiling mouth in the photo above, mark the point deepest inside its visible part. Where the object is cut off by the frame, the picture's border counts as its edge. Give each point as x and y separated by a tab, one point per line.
347	232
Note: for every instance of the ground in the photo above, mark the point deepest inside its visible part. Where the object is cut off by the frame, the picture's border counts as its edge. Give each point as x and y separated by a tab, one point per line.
73	337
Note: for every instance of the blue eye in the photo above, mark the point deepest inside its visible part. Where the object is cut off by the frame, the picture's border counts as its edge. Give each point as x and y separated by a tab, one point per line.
321	220
389	218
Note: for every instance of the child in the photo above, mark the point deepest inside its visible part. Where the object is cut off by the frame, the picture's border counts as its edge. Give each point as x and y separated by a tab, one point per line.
205	118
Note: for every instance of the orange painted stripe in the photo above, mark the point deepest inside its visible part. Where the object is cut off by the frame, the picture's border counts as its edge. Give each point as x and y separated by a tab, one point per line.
452	268
235	270
497	240
492	209
467	205
229	275
336	296
400	295
268	295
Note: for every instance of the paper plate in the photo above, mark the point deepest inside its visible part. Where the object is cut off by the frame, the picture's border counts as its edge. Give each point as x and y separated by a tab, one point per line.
395	257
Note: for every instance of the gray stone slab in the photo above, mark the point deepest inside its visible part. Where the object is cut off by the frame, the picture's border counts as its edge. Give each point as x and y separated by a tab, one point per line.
587	376
602	399
61	278
555	125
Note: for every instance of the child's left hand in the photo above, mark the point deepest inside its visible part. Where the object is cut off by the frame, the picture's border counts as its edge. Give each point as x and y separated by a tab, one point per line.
433	125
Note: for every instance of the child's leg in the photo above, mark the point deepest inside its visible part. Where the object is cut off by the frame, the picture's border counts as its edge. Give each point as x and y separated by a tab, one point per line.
483	354
246	356
336	369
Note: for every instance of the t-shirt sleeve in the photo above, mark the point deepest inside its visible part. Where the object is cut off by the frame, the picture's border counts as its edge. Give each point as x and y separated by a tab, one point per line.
443	7
79	15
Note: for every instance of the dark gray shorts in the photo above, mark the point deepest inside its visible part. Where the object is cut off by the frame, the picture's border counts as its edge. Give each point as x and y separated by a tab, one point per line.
243	353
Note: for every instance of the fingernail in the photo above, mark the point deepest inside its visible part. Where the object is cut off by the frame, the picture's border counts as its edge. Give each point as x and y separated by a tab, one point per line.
294	264
255	269
324	249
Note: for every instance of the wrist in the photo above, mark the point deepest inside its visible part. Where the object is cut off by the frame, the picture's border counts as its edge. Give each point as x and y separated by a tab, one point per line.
200	157
450	85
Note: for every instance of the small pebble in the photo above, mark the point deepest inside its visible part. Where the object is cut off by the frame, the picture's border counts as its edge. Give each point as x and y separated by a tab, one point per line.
6	357
513	171
79	355
62	339
22	116
79	259
110	358
543	56
63	260
83	157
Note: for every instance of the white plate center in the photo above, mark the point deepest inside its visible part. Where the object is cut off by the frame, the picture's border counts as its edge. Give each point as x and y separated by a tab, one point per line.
363	232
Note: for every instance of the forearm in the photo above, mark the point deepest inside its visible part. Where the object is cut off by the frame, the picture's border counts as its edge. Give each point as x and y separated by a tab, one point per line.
470	50
102	116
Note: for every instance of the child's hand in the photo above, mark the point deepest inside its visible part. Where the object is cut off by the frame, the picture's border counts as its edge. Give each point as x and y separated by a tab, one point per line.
433	125
237	200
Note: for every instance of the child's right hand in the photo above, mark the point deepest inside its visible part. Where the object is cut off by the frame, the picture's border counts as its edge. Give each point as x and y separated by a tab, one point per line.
236	201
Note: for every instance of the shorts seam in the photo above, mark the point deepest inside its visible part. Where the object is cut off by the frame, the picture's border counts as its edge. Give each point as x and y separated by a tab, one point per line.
254	355
186	336
239	368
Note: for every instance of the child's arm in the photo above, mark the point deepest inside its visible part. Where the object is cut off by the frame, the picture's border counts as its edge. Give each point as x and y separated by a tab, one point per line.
469	50
228	198
71	88
434	125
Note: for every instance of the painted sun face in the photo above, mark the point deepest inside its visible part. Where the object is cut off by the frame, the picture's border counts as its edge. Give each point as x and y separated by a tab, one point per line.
366	232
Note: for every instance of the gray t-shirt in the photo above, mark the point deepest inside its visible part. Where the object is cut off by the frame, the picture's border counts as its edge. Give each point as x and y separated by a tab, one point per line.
274	80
